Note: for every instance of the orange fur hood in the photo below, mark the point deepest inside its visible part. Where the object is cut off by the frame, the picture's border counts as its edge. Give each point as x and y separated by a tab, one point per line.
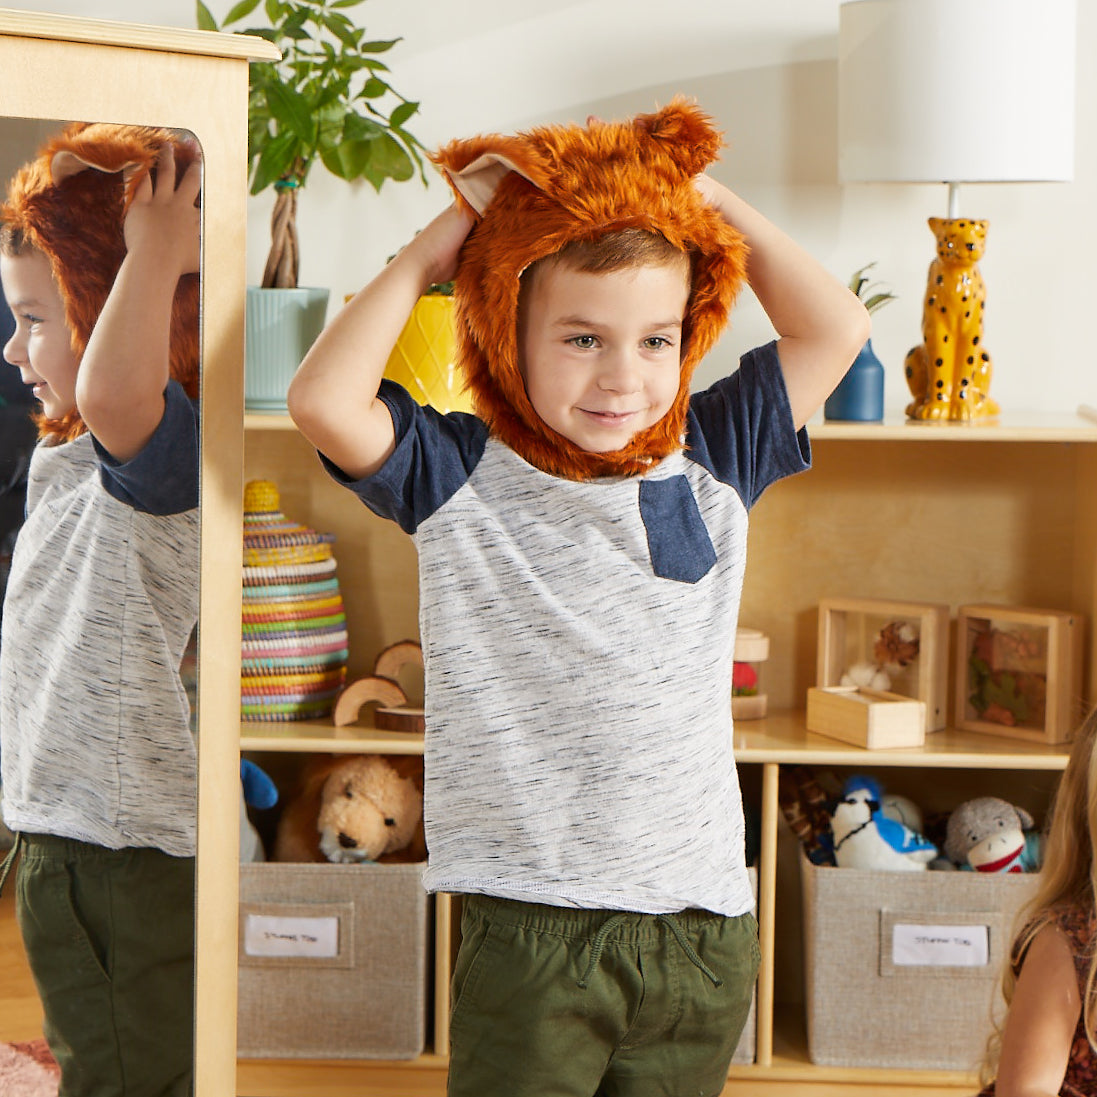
70	202
538	191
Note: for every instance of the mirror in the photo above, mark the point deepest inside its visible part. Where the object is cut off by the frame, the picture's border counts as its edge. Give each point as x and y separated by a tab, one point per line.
97	741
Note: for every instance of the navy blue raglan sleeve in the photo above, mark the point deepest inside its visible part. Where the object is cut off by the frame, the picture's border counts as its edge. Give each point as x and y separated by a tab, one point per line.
741	428
434	456
163	478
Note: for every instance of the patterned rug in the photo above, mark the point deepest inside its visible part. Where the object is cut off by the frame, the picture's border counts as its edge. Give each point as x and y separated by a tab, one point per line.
28	1070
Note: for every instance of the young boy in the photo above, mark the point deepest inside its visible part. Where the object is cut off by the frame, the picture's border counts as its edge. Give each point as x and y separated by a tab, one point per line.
581	548
98	762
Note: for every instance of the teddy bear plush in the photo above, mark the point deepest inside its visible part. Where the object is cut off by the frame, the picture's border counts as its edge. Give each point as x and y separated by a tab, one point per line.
354	809
987	834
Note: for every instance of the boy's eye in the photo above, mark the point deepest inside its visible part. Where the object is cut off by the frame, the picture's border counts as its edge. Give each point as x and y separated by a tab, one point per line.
584	342
656	342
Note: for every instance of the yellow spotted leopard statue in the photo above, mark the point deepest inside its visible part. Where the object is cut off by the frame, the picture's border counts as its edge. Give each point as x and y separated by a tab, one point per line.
949	371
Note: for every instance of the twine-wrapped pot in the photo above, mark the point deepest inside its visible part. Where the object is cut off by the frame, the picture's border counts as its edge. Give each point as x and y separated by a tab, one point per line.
294	654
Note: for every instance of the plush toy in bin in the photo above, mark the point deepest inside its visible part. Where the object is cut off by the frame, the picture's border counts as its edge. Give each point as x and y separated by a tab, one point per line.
354	809
989	834
865	836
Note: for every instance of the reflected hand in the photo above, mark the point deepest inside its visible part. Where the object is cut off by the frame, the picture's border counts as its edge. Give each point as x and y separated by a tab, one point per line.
164	220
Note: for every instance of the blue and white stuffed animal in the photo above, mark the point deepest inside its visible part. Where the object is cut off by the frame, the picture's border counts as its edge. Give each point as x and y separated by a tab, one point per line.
864	837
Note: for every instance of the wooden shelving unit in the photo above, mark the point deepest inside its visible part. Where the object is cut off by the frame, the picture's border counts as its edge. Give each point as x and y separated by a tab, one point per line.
1000	513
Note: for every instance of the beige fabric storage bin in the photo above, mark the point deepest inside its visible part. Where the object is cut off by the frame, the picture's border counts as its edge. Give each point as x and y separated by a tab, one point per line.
746	1050
902	969
333	961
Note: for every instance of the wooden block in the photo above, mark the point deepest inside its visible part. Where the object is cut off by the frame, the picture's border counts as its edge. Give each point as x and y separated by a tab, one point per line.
866	718
400	719
751	706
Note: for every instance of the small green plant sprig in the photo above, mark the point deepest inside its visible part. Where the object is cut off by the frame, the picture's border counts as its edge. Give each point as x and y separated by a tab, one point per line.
872	294
327	99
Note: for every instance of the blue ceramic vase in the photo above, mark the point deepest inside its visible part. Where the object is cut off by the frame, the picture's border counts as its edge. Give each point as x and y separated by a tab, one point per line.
860	394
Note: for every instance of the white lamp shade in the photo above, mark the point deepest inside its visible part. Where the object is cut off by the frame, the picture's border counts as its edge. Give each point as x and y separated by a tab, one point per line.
954	91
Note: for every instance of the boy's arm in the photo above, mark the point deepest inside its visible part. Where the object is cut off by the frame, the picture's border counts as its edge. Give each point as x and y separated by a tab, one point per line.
126	366
821	325
333	396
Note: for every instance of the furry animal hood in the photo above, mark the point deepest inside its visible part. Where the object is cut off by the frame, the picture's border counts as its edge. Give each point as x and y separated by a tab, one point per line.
70	203
538	191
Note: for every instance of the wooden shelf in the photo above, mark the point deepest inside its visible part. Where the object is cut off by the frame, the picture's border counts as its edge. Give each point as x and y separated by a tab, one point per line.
1012	427
321	736
783	738
1050	427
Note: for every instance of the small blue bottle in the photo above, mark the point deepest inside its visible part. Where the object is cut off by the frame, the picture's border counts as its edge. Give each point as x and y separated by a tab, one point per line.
860	394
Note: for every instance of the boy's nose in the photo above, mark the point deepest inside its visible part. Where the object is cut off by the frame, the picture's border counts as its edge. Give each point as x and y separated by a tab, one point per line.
620	373
13	353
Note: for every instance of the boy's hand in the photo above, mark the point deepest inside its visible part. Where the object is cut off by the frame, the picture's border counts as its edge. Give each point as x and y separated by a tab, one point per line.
435	249
163	220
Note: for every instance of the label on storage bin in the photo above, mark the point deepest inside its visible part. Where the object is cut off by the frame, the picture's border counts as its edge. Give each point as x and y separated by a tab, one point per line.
270	935
940	946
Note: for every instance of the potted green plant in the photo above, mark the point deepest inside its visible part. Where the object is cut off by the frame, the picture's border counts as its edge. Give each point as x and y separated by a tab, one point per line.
329	100
860	394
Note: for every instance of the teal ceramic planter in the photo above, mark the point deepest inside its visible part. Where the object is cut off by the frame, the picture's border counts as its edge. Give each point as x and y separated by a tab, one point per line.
280	326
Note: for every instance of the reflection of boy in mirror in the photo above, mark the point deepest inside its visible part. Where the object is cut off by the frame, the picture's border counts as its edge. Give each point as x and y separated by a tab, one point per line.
99	252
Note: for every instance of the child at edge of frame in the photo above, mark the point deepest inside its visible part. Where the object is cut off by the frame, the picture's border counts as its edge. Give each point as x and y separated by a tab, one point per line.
1047	1043
581	543
99	259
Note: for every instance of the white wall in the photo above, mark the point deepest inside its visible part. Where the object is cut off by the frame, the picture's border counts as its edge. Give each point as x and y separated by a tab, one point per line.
767	73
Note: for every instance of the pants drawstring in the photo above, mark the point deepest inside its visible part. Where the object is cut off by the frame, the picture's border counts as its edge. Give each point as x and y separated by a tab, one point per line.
9	860
598	944
691	953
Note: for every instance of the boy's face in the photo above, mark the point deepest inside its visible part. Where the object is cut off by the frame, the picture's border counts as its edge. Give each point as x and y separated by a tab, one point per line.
41	348
601	353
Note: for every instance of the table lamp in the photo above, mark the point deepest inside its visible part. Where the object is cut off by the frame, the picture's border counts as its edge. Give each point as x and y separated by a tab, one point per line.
955	91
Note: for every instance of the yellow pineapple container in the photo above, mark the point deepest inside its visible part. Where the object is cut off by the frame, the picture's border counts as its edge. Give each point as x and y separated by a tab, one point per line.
424	358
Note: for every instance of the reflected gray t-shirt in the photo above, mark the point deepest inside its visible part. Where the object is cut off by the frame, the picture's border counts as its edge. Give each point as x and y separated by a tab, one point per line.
95	742
578	644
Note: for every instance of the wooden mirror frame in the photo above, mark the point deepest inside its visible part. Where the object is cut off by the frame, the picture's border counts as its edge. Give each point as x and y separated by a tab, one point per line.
58	67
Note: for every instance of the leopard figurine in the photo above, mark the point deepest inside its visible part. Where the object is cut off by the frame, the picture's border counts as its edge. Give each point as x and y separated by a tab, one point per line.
949	371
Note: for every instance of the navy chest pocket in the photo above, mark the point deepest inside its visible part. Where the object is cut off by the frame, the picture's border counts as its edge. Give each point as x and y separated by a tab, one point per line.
678	541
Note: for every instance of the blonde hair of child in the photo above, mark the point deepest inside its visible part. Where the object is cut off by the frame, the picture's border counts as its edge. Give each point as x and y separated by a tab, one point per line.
1068	877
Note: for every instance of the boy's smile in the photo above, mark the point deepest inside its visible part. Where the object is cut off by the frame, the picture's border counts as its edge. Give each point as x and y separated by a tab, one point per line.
601	353
41	347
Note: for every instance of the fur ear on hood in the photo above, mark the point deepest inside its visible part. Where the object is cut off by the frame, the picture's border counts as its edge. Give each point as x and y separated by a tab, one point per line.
537	191
70	203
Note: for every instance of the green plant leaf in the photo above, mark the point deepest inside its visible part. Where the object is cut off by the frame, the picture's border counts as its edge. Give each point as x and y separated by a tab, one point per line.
382	46
388	160
240	10
276	161
292	111
203	17
373	89
402	113
347	3
357	128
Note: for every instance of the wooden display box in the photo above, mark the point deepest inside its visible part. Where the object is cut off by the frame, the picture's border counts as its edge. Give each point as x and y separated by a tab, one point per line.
867	718
332	961
873	631
746	1049
902	969
1019	672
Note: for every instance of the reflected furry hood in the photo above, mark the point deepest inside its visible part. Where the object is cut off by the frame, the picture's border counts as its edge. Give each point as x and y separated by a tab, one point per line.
536	192
70	203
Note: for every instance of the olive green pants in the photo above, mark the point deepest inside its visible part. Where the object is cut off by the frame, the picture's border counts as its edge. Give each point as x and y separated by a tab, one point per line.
556	1002
109	935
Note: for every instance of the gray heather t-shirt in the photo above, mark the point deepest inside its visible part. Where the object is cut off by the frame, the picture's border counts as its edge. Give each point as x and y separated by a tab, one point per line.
94	737
578	643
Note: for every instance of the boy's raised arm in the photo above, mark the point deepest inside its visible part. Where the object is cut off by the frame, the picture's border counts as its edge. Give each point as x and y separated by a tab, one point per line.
821	325
333	396
126	365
